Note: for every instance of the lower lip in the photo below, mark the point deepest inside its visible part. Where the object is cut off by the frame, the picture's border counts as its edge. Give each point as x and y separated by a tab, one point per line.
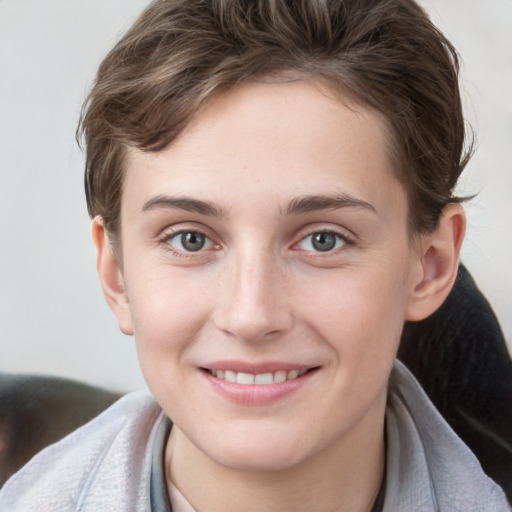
256	393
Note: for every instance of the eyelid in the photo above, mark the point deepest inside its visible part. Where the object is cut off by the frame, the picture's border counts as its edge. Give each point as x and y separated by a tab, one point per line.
339	241
318	227
207	242
173	231
348	238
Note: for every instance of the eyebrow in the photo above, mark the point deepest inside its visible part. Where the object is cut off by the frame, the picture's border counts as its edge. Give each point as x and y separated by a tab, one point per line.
297	206
183	203
306	204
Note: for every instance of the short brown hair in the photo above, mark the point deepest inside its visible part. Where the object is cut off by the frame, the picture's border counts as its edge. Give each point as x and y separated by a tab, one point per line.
180	53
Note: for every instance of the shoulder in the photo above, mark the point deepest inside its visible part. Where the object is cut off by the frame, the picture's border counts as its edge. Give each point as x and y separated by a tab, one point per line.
100	466
427	463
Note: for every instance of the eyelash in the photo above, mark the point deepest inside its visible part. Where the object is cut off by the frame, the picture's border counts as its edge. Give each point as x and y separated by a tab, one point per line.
346	241
168	236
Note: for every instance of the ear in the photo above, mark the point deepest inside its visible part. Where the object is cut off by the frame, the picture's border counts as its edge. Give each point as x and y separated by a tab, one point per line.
438	263
111	277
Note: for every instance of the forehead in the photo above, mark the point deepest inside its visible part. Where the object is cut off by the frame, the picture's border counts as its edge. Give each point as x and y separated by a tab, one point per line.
273	140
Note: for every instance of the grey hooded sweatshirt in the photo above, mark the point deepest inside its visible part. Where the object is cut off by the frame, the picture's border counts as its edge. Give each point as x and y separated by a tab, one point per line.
106	464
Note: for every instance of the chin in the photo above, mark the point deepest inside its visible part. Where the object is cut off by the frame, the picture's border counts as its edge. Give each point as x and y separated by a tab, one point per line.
258	452
253	459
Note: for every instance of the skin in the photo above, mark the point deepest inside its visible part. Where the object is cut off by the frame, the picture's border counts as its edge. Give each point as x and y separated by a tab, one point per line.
259	291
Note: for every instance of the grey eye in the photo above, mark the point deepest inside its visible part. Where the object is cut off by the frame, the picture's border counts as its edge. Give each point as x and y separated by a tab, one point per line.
322	242
192	241
189	241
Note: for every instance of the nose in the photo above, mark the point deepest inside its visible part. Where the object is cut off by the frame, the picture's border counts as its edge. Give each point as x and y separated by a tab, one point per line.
253	305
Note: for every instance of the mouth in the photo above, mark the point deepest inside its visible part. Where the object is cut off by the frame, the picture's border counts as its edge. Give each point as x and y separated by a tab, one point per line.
263	379
257	384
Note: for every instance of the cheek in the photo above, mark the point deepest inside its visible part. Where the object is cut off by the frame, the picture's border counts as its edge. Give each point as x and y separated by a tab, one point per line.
361	314
167	317
167	313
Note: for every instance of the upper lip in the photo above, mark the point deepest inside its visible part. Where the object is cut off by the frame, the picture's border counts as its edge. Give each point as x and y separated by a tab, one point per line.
256	368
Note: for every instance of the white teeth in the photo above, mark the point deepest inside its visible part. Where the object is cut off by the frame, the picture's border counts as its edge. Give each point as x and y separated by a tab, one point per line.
280	376
230	376
260	378
264	378
244	378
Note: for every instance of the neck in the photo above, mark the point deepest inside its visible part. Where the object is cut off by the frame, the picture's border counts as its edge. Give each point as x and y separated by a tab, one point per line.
344	477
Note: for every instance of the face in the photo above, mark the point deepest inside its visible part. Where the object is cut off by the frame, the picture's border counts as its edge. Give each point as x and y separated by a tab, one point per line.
268	271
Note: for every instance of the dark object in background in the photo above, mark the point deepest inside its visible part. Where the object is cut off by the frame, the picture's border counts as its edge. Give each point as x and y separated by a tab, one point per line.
36	411
460	357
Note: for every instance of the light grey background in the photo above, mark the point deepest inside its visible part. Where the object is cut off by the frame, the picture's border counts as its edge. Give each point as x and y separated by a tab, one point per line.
53	317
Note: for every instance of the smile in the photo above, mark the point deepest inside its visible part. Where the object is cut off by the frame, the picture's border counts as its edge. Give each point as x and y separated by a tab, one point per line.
260	378
251	384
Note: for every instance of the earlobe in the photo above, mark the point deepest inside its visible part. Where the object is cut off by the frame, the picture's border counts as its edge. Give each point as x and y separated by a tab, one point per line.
111	277
439	261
